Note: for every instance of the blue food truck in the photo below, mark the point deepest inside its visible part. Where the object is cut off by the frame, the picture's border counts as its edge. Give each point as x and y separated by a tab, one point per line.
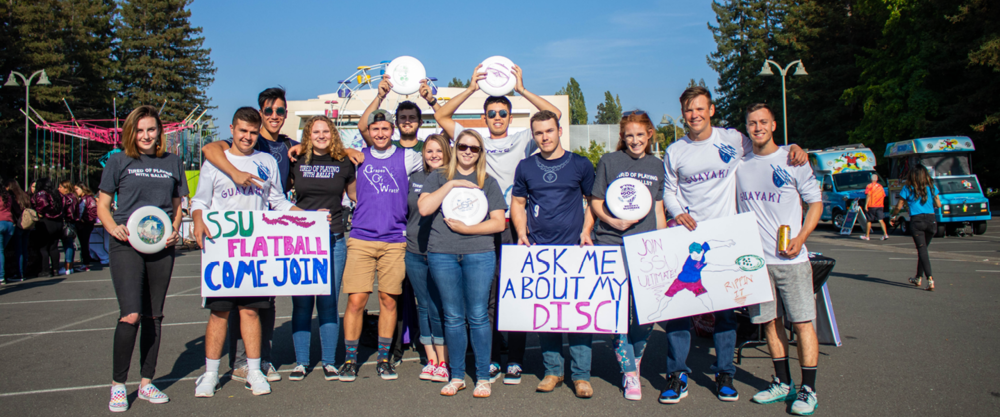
949	161
843	173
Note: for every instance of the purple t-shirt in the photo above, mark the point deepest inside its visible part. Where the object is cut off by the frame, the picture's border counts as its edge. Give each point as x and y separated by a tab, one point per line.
382	188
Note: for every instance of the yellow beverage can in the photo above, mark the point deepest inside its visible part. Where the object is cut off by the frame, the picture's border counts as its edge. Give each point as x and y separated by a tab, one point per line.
783	237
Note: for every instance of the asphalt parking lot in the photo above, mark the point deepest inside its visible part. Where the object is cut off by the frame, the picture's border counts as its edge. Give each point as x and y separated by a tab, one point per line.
905	350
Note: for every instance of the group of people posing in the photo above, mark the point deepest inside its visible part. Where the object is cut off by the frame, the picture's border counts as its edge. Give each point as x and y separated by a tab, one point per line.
536	192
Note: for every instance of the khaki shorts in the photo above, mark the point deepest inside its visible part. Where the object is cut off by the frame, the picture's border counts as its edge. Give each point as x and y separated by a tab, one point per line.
365	258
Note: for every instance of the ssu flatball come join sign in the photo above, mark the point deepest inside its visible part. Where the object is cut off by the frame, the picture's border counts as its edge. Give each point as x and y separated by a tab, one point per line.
265	253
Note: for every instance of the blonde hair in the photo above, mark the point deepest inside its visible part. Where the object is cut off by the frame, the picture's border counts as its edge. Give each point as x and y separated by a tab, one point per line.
445	149
129	132
480	164
336	145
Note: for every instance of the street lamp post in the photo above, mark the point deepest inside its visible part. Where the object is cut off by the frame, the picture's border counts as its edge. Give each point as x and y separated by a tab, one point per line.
12	82
800	69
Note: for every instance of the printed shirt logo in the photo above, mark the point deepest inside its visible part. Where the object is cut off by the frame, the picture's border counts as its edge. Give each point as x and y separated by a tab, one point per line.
780	176
628	197
381	179
726	152
262	171
150	229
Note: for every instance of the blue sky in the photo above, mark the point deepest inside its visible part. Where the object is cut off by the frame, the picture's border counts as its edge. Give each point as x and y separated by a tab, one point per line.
645	52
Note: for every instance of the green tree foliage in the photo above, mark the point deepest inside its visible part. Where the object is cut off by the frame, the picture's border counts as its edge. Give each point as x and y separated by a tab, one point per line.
609	112
577	106
160	57
457	82
594	152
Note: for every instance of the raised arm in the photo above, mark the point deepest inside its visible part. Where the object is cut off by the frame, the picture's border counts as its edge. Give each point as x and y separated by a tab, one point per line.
383	90
537	101
443	115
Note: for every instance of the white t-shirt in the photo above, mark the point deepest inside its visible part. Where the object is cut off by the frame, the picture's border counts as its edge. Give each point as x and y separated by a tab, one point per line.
701	178
216	190
503	155
773	190
414	160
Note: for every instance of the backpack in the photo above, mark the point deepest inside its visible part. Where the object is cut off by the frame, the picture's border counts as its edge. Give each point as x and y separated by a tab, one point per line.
28	219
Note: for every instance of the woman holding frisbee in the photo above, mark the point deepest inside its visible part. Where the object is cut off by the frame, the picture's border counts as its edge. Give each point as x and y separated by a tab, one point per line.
143	174
436	153
462	260
321	177
921	196
632	159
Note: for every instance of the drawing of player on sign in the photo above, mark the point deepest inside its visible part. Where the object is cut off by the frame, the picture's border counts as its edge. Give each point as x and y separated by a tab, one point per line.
690	276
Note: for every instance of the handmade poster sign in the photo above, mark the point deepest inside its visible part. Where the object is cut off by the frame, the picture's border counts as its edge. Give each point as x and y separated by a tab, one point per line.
678	273
564	289
265	253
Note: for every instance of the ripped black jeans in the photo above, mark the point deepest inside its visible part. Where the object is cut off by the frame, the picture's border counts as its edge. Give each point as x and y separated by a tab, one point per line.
141	283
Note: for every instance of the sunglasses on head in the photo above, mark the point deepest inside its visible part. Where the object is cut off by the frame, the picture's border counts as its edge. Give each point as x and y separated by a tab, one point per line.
635	112
463	147
269	111
493	113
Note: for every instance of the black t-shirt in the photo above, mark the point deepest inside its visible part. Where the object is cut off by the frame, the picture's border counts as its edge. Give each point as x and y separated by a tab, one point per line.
321	185
146	181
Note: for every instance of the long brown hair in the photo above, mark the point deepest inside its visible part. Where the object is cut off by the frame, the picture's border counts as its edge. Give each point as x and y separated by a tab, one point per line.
641	119
336	145
22	198
131	128
85	189
919	182
445	150
480	163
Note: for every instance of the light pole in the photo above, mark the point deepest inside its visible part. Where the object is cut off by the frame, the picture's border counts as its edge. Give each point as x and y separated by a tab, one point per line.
800	69
670	120
12	82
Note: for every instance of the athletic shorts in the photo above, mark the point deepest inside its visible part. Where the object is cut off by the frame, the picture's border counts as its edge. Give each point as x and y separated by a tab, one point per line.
679	285
230	303
793	295
365	258
875	214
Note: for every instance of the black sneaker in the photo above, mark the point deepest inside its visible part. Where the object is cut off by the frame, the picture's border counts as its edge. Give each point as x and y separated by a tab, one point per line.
298	373
330	373
386	370
348	371
724	388
513	374
494	372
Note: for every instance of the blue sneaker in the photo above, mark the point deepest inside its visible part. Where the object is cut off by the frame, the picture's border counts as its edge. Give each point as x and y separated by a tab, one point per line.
724	388
776	392
805	402
677	388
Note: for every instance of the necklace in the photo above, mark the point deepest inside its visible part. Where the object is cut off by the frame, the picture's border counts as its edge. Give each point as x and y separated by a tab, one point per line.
550	175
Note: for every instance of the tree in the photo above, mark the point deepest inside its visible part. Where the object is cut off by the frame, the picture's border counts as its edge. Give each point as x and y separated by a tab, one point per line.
609	112
577	106
456	82
594	152
160	57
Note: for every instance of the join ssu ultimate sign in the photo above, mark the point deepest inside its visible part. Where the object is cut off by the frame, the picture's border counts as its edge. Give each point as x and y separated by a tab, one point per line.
265	253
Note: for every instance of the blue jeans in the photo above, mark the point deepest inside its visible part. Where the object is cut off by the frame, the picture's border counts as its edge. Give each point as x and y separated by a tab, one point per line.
464	282
21	249
428	300
679	343
6	233
579	352
326	309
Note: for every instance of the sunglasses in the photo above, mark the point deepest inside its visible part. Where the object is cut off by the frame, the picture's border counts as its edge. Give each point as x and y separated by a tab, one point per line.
280	110
463	147
493	113
635	112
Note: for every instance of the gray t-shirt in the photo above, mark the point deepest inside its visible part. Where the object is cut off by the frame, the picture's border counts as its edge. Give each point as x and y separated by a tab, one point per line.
648	169
147	181
442	238
418	228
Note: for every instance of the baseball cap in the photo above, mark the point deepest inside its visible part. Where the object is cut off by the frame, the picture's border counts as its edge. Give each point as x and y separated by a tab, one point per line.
381	116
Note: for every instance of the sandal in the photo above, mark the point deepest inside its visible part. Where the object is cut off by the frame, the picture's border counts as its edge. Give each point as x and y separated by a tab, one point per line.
915	281
482	390
453	387
930	285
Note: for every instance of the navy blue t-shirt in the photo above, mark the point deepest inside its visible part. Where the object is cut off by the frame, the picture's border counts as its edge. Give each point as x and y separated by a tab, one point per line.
555	191
279	151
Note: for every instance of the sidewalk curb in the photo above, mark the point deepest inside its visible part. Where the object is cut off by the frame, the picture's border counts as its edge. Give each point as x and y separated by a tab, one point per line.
857	243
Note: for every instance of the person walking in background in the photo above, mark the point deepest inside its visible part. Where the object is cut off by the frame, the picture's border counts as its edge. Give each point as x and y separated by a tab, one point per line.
48	203
21	203
7	209
920	195
87	216
874	201
71	215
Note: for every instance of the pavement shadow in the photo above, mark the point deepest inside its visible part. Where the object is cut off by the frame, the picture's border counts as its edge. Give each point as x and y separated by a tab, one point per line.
191	360
29	284
867	278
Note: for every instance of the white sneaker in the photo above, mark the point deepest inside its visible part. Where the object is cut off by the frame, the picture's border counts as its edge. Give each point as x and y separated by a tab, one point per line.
206	385
257	383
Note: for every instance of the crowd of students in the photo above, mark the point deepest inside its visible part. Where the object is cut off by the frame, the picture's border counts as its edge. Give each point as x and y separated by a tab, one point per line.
533	188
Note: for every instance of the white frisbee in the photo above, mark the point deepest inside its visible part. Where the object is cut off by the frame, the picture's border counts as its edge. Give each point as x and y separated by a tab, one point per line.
467	205
149	228
500	78
405	74
628	199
